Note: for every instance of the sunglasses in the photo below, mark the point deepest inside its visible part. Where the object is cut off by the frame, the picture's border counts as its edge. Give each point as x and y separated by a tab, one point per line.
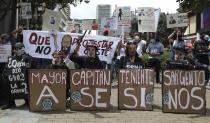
134	43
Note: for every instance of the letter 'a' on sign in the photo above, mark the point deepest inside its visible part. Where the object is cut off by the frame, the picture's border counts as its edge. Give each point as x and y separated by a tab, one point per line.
136	89
90	89
47	90
184	91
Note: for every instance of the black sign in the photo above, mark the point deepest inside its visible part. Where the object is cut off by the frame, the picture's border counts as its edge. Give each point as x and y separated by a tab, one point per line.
16	76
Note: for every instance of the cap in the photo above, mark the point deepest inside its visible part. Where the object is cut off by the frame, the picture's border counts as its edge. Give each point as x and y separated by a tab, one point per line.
92	45
58	54
132	42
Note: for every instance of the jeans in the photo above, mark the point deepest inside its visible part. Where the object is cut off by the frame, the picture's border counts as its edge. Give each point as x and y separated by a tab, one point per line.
156	65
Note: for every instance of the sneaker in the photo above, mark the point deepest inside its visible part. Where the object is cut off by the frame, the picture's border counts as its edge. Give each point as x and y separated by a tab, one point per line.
7	106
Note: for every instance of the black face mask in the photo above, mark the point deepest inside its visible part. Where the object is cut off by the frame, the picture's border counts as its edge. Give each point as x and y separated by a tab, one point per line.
180	38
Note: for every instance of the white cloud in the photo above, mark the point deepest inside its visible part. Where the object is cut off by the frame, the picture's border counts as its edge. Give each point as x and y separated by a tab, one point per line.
86	11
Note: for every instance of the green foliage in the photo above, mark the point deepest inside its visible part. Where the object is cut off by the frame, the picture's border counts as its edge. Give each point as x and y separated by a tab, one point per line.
194	5
145	59
164	58
162	31
134	26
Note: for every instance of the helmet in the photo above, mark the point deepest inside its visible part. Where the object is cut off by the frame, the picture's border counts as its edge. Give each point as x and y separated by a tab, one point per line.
92	45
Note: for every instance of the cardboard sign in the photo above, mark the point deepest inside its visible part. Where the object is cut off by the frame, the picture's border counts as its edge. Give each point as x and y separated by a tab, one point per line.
51	20
47	90
5	52
146	19
40	44
136	89
90	89
177	20
25	10
16	76
184	91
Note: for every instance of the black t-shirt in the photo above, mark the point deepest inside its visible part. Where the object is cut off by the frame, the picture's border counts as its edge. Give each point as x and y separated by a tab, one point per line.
87	62
125	63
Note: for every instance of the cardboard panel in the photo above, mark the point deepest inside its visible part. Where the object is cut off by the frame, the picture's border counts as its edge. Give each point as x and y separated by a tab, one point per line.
90	89
47	90
136	88
184	91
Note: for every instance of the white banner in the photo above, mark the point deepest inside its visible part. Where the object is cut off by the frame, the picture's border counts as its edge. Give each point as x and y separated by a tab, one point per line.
146	19
110	23
5	52
177	20
25	10
40	44
51	20
123	15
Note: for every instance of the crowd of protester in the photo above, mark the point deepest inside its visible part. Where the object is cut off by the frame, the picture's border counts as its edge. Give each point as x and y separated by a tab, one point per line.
129	55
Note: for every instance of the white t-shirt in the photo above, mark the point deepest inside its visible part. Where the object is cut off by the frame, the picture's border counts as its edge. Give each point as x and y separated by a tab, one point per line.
140	46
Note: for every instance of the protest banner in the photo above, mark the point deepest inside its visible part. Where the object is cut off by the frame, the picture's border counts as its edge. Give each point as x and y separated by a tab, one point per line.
40	44
89	24
51	20
90	89
5	53
123	15
25	10
177	20
146	19
15	72
77	26
47	90
184	91
136	89
110	23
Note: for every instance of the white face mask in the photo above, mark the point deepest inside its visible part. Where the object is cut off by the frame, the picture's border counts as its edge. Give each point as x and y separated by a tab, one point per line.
136	38
152	40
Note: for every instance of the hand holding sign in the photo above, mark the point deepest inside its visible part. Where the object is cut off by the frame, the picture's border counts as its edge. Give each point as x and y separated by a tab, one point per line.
79	40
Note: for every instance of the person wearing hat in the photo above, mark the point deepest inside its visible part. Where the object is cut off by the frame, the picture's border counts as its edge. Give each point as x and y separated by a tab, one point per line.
131	59
91	60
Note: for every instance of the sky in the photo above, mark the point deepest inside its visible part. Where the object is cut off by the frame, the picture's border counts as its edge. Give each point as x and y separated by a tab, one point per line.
88	11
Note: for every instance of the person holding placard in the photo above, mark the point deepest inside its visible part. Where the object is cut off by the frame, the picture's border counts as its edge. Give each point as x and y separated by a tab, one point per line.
61	58
131	59
90	61
15	76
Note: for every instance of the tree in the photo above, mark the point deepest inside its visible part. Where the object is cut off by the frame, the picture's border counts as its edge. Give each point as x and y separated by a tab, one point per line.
134	27
193	5
162	31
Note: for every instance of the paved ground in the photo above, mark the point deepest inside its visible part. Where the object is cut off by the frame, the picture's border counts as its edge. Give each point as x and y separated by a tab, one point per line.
22	115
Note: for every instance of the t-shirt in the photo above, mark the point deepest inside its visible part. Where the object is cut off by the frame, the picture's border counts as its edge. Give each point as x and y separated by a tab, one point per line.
156	47
125	63
141	44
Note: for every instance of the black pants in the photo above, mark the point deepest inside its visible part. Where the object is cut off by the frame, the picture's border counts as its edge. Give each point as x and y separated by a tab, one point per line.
156	65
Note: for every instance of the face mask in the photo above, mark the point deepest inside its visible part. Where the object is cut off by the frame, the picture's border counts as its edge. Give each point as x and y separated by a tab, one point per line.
152	40
136	38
